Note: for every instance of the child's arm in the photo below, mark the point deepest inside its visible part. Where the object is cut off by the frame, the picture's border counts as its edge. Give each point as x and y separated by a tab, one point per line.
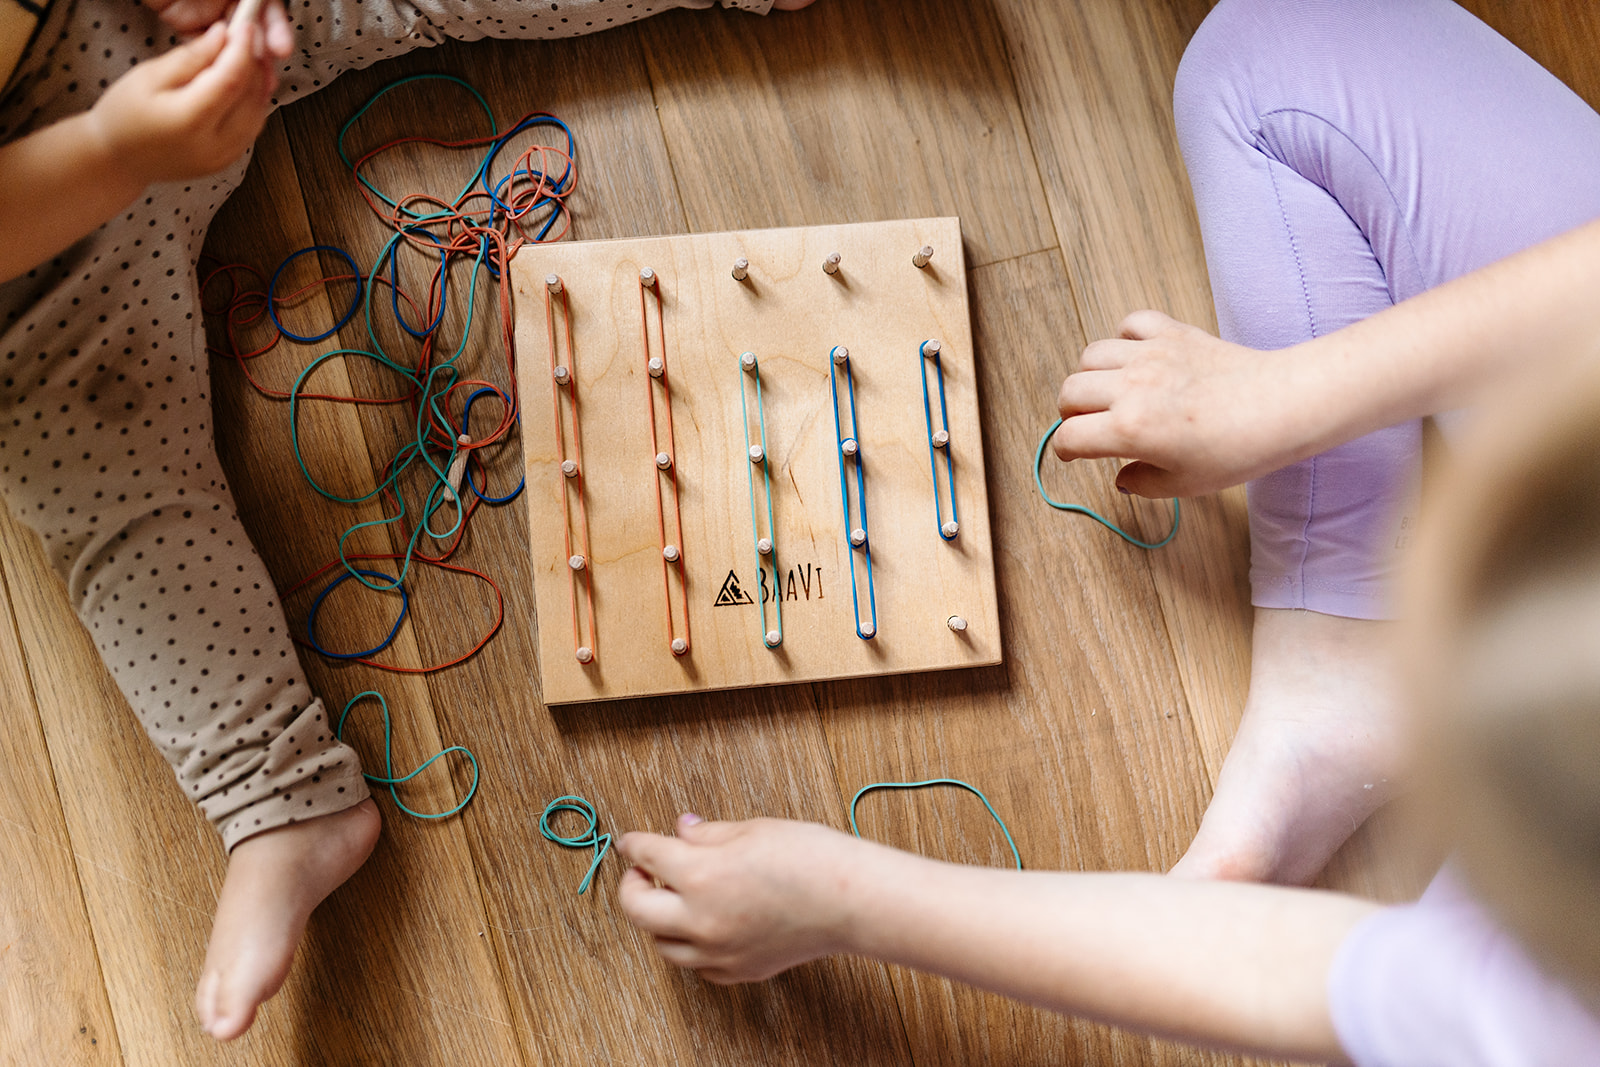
1222	964
189	113
1200	414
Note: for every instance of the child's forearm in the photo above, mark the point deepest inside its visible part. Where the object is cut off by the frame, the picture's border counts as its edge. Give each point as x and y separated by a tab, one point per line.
57	185
1220	964
1442	349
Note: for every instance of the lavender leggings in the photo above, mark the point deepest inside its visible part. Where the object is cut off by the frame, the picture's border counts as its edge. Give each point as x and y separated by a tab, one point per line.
1345	155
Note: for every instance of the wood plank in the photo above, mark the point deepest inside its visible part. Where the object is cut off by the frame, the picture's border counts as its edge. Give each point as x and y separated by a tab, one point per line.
564	956
791	316
53	1005
848	113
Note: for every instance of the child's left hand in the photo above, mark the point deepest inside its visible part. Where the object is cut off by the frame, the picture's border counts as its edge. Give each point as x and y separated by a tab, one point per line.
741	901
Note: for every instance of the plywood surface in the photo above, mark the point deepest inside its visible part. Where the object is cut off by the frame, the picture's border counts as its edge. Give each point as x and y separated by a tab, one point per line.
808	590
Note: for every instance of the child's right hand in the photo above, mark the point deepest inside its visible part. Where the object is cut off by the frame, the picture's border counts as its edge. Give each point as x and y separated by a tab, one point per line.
741	901
192	111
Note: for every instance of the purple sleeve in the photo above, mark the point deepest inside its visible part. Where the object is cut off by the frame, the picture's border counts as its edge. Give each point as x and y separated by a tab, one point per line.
1438	984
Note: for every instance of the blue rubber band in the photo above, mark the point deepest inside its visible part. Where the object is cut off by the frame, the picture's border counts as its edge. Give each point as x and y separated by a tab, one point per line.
974	790
466	415
272	298
1079	509
388	777
861	491
933	452
394	283
316	606
586	838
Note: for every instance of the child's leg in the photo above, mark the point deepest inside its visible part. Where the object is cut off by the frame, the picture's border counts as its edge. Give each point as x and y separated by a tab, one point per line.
1347	154
106	451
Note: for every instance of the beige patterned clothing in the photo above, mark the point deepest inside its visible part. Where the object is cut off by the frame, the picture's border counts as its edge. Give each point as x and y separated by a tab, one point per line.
105	415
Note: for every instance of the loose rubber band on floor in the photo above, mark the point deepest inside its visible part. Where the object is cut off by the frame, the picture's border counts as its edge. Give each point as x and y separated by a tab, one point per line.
584	839
974	790
388	777
1038	481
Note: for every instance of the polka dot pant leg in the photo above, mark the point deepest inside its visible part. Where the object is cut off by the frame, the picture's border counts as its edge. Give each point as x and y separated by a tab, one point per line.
105	420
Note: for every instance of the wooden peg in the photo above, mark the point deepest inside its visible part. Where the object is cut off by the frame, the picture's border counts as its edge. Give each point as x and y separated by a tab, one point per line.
679	646
841	355
552	284
956	623
458	466
663	461
656	367
849	447
585	654
741	269
764	546
858	537
941	438
931	349
671	554
647	278
924	254
562	375
950	529
748	362
867	630
569	467
577	562
757	454
831	264
774	639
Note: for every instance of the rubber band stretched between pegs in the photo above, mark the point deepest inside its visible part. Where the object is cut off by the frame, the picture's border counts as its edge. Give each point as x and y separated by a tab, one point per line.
859	462
388	777
974	790
1038	481
588	837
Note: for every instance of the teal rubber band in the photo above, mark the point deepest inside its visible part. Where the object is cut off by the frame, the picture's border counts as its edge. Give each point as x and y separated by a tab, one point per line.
389	778
586	838
974	790
385	91
1038	481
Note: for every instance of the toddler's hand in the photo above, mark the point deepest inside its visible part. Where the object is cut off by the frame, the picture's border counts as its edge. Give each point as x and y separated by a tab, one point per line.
190	112
1196	413
740	901
192	16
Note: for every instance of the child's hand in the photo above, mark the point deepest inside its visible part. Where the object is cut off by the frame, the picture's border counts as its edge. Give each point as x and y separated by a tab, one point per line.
192	16
1195	412
740	901
190	112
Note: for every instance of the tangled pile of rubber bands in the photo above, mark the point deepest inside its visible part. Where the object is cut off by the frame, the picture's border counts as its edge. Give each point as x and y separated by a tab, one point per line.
508	201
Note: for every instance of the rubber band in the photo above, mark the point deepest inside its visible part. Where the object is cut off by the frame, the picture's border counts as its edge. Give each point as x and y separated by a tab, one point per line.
947	530
572	481
388	777
839	357
974	790
1079	509
656	370
350	312
585	839
316	606
752	370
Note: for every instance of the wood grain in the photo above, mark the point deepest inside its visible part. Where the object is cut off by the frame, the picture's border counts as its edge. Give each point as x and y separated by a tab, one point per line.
790	314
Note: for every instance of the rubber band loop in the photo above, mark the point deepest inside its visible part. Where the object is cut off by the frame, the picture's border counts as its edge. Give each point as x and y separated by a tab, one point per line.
844	489
350	312
466	415
316	606
1079	509
586	838
389	779
974	790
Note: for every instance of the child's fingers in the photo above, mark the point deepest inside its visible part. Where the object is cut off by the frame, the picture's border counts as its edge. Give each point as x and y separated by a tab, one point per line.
681	953
1085	392
280	37
1143	325
188	60
656	911
1091	436
233	76
1107	355
1146	479
189	16
661	857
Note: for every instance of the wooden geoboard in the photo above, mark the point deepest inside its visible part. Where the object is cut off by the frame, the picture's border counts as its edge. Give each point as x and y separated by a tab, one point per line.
721	595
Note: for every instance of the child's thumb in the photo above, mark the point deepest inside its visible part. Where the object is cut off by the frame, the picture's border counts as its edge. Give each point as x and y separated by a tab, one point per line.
179	66
1144	479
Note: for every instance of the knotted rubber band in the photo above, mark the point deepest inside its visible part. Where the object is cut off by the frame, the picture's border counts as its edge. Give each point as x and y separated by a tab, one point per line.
588	837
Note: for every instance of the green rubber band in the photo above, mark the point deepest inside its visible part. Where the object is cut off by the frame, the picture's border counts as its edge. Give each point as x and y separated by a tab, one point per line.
584	839
388	778
1038	481
974	790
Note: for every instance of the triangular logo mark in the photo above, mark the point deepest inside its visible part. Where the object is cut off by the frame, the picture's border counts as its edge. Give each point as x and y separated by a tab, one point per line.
732	592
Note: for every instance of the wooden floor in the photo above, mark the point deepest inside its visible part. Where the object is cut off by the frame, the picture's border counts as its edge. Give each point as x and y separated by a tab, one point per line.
1047	128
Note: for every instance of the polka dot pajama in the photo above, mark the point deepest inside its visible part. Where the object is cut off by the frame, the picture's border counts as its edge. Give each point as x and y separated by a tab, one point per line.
106	444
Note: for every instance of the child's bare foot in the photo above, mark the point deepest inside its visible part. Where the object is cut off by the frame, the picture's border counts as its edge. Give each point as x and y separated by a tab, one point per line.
1314	755
274	881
